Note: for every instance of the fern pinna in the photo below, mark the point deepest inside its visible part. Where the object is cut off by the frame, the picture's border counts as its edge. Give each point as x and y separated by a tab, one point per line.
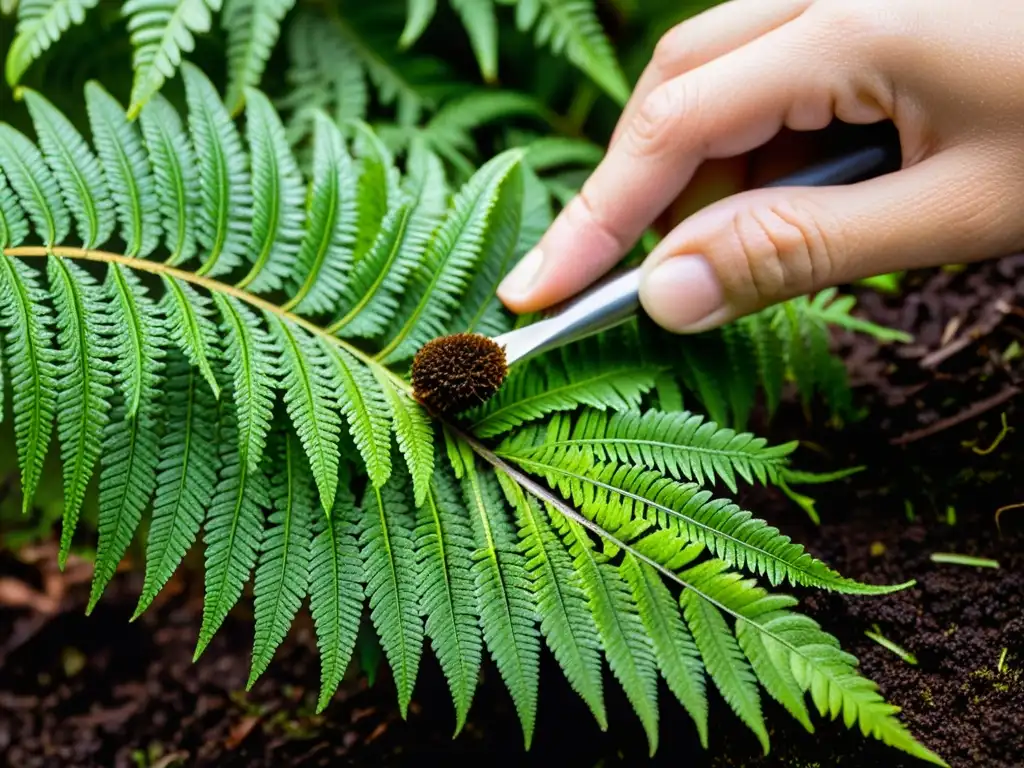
235	369
163	32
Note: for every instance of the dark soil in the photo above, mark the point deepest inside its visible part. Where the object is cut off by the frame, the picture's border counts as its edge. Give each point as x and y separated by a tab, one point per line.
100	691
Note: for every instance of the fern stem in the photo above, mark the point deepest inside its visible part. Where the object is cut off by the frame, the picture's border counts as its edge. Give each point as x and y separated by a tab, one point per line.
162	268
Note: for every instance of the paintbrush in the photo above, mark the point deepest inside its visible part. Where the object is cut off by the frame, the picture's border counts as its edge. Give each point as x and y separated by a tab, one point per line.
456	372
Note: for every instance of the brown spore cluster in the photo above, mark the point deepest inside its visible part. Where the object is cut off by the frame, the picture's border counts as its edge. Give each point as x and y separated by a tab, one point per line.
453	373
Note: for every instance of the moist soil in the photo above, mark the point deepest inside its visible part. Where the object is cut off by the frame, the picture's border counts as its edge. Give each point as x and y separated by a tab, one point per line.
103	691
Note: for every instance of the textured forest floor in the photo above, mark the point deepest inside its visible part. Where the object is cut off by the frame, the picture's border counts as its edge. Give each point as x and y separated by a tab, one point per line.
99	691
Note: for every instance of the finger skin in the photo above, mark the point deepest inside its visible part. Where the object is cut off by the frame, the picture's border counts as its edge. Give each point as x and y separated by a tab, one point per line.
704	37
771	245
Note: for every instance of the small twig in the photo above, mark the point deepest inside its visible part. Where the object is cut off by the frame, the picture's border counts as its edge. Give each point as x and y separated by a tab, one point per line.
1006	508
888	644
967	414
982	328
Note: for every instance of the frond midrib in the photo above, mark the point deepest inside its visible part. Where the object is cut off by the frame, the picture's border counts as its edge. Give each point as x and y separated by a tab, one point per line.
212	285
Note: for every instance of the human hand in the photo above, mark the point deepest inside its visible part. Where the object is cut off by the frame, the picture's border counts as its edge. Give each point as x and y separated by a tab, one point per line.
948	74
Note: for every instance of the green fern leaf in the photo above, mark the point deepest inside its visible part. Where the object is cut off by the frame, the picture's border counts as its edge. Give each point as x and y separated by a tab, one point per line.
278	197
565	619
444	546
40	24
335	589
629	648
32	362
130	444
585	375
129	178
802	653
190	327
224	182
76	169
365	409
378	186
34	185
770	356
187	470
725	663
507	605
282	576
677	655
13	226
418	16
234	528
83	385
614	494
160	32
174	172
309	397
378	279
389	565
251	362
324	259
682	445
253	27
571	28
414	434
481	25
451	257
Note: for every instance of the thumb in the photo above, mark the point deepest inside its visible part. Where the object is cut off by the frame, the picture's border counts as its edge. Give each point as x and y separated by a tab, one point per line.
764	246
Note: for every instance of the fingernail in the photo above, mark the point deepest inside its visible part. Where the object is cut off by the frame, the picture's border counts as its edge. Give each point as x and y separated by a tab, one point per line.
681	292
518	282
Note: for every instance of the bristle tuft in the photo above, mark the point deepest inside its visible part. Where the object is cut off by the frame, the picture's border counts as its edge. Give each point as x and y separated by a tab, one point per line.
454	373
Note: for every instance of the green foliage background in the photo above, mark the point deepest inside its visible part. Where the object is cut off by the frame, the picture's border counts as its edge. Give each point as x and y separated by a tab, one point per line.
213	285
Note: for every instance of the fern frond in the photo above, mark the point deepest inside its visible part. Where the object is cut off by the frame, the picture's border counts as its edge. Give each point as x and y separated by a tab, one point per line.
234	526
616	494
678	658
191	327
224	182
41	24
565	619
76	169
188	466
176	177
33	365
389	563
335	588
278	197
161	31
444	546
571	28
324	260
252	27
682	445
13	226
130	440
34	186
83	383
414	435
586	374
252	364
725	662
128	175
481	25
309	397
282	576
507	605
629	648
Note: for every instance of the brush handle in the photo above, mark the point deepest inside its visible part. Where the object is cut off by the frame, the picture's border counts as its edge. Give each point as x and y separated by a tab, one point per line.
615	299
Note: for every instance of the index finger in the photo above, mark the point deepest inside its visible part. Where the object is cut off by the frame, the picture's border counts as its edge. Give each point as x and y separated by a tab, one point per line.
723	108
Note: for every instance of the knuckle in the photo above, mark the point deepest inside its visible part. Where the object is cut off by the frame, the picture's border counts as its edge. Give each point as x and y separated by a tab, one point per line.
669	51
778	252
658	118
